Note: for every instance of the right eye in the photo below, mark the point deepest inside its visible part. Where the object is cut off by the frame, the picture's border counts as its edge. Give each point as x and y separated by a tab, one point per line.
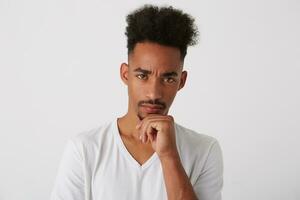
141	76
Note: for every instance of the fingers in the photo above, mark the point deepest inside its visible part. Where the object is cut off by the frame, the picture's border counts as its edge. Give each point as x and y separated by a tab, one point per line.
149	127
146	130
150	133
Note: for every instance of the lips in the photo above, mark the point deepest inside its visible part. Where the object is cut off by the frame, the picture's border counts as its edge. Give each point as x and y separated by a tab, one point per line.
152	108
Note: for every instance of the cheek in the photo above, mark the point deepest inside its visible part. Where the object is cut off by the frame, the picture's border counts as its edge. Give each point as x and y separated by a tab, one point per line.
134	89
170	97
170	94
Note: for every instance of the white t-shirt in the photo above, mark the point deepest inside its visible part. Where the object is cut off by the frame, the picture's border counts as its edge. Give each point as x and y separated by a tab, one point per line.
97	166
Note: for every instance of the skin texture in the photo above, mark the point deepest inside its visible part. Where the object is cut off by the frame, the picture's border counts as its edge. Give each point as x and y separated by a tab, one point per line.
153	89
154	74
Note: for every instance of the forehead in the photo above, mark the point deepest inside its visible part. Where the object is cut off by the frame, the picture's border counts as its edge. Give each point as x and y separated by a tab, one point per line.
152	56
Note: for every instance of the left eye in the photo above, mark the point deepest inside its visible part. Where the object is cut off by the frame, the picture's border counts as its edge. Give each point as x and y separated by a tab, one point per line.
169	80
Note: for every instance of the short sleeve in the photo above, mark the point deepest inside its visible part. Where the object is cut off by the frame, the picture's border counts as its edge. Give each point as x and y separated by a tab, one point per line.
208	185
69	183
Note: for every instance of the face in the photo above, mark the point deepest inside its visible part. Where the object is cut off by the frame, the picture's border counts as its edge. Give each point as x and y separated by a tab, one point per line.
153	76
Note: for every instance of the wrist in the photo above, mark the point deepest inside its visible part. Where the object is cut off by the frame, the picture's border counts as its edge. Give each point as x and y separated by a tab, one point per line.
170	157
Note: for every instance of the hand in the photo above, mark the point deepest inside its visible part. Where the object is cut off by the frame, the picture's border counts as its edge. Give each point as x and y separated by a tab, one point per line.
159	129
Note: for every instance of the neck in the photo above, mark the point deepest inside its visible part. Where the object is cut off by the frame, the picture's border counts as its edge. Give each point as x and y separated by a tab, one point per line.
127	124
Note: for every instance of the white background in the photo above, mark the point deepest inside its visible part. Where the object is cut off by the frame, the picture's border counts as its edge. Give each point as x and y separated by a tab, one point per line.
59	75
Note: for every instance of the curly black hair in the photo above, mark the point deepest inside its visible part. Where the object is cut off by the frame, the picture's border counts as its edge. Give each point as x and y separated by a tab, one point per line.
163	25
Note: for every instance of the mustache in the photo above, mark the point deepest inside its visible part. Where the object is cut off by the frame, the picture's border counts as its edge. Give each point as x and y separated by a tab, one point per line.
155	102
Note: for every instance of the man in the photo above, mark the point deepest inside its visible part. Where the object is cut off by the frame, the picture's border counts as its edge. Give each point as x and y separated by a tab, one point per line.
145	154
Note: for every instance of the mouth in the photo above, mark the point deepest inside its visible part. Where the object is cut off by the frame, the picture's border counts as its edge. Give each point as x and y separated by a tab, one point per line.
152	108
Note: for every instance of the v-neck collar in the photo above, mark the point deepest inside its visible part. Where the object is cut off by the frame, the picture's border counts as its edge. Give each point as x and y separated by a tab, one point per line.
125	152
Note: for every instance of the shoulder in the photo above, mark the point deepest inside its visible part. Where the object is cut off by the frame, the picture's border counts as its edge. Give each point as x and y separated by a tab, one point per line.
197	148
193	139
92	139
200	153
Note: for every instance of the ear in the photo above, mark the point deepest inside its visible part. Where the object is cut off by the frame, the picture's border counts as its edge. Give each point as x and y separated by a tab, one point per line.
124	73
182	80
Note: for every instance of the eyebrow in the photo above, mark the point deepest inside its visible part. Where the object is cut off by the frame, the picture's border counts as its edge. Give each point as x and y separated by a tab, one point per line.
166	74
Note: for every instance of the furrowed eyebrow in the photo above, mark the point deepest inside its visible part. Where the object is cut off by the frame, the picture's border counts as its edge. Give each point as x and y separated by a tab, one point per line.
144	71
166	74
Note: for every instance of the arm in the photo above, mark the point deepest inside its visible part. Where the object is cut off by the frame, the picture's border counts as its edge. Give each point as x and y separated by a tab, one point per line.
177	183
208	185
161	132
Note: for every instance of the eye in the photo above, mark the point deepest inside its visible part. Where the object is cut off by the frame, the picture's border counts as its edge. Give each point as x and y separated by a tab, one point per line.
141	76
169	80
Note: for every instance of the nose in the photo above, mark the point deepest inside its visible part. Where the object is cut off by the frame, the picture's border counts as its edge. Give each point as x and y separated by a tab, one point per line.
154	89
